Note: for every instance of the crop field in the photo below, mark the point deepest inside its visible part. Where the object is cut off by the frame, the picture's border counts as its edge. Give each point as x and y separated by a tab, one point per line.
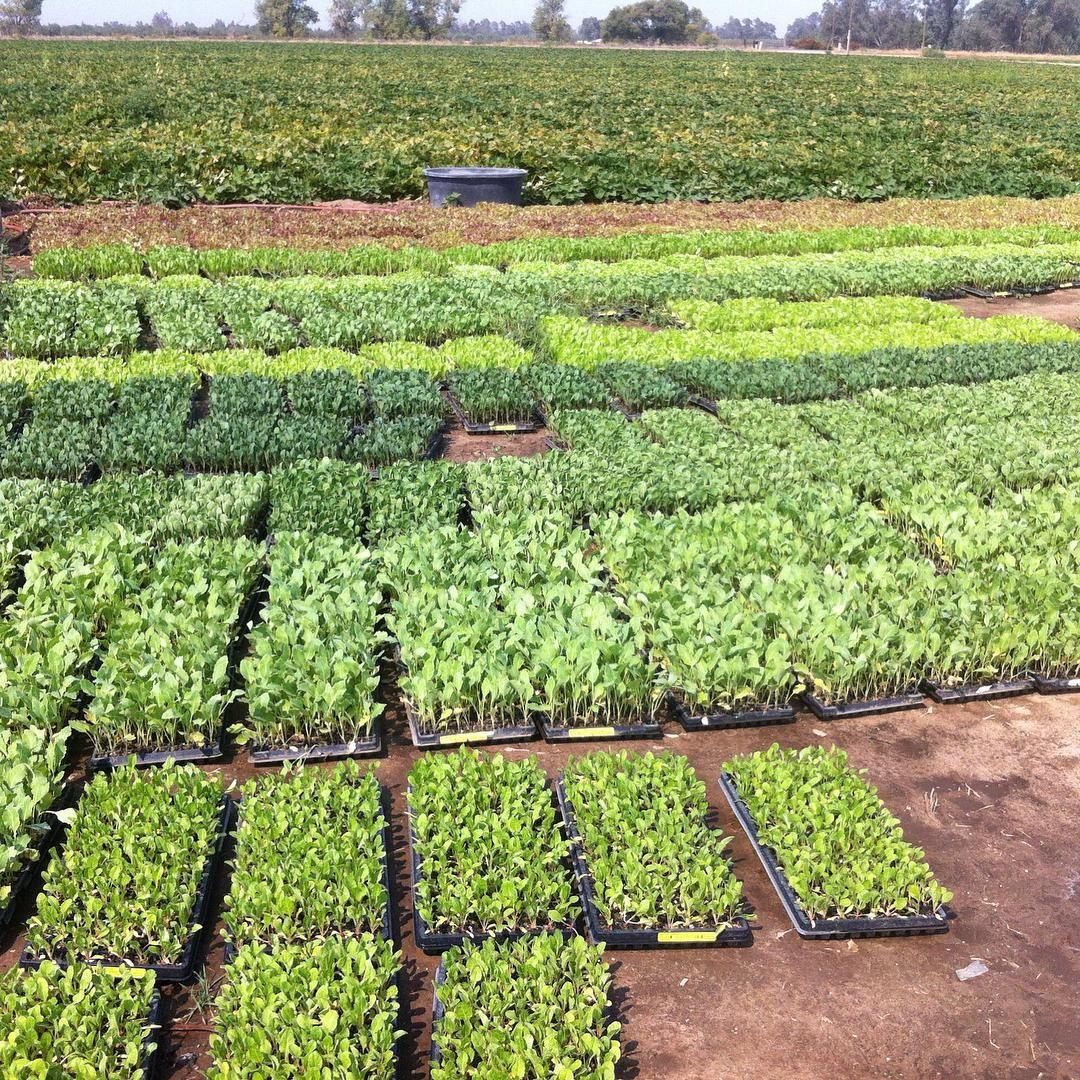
190	122
713	715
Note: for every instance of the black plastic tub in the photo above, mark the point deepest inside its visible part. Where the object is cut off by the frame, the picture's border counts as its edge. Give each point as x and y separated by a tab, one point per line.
458	185
43	848
432	942
961	695
524	426
739	935
827	929
1049	684
184	968
650	730
432	451
276	755
737	718
384	858
851	710
705	403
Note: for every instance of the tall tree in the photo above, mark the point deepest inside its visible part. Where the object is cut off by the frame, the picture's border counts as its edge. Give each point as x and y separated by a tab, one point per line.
284	18
589	30
20	16
1032	26
344	17
550	23
666	22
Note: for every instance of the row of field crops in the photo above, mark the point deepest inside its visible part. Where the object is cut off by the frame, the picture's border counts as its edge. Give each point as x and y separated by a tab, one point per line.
519	904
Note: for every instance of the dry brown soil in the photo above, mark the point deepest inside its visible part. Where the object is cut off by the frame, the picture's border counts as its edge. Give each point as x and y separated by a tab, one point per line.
1062	306
990	791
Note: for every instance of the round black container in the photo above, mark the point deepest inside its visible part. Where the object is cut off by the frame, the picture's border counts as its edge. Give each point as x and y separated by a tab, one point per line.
467	187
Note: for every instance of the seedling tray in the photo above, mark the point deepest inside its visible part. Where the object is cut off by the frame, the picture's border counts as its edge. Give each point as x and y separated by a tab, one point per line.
431	740
827	929
851	710
738	935
516	427
629	731
960	695
184	968
1056	685
705	403
25	878
737	718
384	858
195	754
152	1058
364	747
433	942
431	451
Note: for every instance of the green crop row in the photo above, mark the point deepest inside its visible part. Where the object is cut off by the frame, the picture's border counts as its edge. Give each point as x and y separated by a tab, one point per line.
309	858
843	853
537	1004
325	1009
115	260
77	1021
188	314
653	861
313	664
491	855
31	778
124	886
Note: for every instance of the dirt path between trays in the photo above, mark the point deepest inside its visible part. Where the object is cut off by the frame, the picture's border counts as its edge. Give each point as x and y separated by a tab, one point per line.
1062	306
989	790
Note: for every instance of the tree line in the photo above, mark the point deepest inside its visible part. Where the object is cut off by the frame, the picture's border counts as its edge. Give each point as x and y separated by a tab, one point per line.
1034	26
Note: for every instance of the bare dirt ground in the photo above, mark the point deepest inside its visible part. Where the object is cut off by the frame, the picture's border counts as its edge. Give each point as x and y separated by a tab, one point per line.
988	790
460	446
1062	306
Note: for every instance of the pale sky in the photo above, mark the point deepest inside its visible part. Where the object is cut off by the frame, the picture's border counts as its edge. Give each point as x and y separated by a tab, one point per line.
204	12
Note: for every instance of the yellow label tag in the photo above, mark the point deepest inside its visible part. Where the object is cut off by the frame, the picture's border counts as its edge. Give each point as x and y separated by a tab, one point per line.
503	427
464	737
590	732
673	936
110	970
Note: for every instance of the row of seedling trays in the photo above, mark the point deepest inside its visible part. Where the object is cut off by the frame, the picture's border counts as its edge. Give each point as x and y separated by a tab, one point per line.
499	881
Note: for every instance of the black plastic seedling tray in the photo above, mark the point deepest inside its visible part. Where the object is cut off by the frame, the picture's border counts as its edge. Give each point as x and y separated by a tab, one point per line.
961	695
827	929
739	935
184	968
705	403
626	731
43	848
737	718
152	1058
276	755
851	710
384	859
197	755
432	942
524	426
1048	684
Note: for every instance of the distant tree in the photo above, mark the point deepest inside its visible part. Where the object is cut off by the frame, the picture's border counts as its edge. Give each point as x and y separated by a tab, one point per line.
284	18
1031	26
549	23
806	29
344	17
432	18
943	17
589	30
667	22
162	23
490	30
20	16
747	30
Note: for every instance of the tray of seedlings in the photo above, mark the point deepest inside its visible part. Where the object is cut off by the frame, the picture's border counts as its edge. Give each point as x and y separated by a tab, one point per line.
319	1008
313	661
488	858
383	442
650	871
1059	684
564	386
693	718
542	999
945	694
492	401
167	678
851	710
312	859
836	857
56	1016
36	805
637	387
133	883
